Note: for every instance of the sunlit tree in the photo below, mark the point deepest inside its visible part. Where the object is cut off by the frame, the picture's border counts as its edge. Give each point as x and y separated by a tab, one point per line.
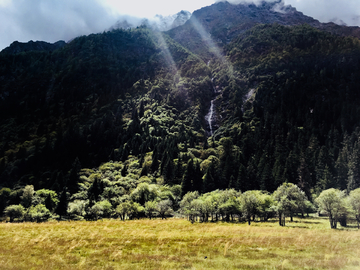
332	202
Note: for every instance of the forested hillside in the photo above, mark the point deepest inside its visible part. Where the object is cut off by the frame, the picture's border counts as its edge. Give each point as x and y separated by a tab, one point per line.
77	102
107	114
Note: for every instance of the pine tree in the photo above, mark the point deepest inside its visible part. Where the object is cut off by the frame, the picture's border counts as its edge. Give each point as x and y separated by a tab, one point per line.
209	182
49	203
73	179
155	160
62	206
232	183
187	181
242	181
178	170
197	177
124	170
304	177
169	171
354	169
141	109
95	190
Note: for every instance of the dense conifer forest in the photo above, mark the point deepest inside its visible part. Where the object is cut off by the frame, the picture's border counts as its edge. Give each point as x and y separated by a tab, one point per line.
114	124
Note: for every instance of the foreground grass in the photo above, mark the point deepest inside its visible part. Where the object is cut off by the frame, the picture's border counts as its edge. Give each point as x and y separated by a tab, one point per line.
177	244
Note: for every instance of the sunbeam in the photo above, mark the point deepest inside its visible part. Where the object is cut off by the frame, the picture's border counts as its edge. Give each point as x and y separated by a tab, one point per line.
166	52
206	37
213	48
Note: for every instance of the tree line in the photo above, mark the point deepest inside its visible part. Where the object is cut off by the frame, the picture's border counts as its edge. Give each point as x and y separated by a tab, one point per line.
155	201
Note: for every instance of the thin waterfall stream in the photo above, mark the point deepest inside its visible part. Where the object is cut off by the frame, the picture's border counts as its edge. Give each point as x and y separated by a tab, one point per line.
210	117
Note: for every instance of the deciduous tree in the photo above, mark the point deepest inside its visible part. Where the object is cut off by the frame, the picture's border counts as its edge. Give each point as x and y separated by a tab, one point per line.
332	202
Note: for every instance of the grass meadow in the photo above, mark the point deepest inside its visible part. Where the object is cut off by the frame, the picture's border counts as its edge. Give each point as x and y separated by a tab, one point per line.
178	244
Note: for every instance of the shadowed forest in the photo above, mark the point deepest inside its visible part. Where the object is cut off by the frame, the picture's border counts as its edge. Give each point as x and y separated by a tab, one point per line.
114	124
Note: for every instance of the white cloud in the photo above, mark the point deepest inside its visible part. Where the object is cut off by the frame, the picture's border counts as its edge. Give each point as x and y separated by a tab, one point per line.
150	8
339	11
347	11
53	20
24	20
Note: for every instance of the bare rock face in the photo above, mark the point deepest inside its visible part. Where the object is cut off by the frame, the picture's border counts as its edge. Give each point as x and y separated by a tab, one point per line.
181	18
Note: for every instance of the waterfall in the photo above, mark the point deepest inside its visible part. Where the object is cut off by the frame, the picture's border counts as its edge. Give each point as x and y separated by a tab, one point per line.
209	116
247	97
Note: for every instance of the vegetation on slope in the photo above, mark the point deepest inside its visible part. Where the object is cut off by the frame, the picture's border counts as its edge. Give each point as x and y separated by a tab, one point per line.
302	126
138	99
80	104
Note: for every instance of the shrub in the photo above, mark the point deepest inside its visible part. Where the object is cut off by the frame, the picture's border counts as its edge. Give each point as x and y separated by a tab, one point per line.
38	213
14	211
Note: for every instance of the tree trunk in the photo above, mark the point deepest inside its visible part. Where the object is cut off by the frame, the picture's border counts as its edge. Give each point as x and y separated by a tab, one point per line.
283	220
332	222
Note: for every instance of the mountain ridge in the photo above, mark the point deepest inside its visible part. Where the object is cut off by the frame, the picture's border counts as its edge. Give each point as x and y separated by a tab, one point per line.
223	21
159	22
140	97
18	47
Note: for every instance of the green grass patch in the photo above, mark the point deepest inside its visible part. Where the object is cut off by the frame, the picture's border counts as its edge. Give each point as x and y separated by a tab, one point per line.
177	244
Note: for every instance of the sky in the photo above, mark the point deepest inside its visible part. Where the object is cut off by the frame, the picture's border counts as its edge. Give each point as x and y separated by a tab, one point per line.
53	20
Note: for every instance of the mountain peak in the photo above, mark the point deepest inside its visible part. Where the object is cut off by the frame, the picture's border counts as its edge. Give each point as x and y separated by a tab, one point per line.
159	22
223	21
19	47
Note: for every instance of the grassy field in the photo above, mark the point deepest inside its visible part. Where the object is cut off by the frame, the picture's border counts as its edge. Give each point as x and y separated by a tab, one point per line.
178	244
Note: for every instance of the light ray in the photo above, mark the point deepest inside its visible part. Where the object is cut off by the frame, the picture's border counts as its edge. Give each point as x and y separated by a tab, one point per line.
167	54
213	48
206	37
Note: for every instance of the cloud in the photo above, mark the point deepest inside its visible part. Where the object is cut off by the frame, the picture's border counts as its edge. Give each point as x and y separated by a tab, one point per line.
51	20
338	11
347	11
150	8
256	2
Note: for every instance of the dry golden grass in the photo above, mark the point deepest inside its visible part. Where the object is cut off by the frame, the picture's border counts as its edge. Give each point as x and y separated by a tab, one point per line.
177	244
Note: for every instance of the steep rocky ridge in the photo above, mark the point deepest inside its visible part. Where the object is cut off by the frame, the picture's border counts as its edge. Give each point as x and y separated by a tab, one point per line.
223	21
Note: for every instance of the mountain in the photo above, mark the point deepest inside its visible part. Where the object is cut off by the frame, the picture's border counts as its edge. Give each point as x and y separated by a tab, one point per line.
282	89
222	22
72	102
169	22
159	22
19	47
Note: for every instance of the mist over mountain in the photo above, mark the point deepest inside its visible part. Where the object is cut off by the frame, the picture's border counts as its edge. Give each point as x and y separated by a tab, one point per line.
223	21
159	22
245	96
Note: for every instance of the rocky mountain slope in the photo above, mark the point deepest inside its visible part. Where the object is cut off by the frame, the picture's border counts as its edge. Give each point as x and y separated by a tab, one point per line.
220	23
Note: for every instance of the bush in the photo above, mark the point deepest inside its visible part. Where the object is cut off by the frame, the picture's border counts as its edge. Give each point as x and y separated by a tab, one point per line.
38	213
14	211
76	209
